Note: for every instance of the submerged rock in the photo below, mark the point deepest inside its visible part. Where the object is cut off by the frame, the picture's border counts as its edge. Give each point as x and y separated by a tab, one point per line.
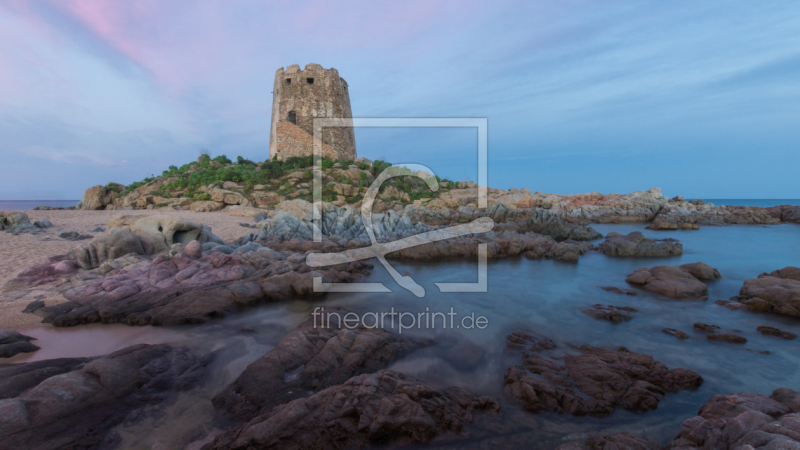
595	381
677	333
617	290
379	408
727	337
713	334
12	343
682	281
635	244
313	357
609	312
75	402
772	331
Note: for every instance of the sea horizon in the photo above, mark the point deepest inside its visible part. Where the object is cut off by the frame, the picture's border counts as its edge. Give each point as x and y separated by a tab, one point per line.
29	205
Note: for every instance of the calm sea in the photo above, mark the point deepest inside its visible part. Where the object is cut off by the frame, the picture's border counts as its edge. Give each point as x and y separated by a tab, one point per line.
27	205
542	295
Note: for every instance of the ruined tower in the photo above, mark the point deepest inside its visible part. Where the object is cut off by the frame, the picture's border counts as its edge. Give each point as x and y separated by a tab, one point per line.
300	96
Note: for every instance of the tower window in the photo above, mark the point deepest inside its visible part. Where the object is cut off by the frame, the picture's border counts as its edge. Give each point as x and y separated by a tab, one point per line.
310	80
287	81
292	117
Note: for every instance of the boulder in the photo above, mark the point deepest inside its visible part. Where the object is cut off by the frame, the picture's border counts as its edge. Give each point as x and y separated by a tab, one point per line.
589	380
12	343
744	421
682	282
163	231
77	402
777	292
98	197
319	354
383	407
635	244
17	223
113	244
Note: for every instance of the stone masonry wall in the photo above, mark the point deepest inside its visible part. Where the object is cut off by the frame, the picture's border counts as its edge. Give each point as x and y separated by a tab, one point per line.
291	140
313	92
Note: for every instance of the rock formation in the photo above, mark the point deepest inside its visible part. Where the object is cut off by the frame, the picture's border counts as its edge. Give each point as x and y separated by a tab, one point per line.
385	407
185	288
776	292
12	343
610	313
744	421
99	197
683	282
75	402
313	357
635	244
589	380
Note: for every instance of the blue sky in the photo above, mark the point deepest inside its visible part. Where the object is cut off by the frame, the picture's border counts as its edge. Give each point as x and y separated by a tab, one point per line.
701	99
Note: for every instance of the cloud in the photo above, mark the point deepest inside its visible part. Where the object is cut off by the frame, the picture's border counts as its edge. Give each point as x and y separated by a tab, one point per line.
580	85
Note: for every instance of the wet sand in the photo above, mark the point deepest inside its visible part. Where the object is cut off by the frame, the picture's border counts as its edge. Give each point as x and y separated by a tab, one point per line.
25	250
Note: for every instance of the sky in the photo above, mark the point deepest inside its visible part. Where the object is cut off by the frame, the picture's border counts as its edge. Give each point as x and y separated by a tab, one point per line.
701	99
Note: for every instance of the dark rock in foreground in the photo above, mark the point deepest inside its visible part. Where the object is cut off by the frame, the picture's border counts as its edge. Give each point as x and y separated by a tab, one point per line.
635	244
741	421
777	292
380	408
619	441
74	402
683	282
744	421
610	312
12	343
595	381
311	358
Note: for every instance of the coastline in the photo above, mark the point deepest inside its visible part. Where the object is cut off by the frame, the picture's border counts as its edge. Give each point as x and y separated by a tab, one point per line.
25	250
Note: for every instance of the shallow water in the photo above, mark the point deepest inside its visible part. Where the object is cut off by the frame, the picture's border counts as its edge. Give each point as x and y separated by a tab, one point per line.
542	295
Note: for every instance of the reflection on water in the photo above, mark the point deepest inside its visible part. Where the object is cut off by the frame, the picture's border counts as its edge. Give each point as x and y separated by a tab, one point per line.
541	295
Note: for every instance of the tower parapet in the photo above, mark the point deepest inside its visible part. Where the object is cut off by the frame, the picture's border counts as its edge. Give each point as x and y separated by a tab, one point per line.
299	97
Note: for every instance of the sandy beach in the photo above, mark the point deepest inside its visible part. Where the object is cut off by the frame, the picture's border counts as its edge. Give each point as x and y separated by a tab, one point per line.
25	250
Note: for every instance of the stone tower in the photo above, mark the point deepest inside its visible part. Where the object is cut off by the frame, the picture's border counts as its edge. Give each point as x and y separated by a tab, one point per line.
300	96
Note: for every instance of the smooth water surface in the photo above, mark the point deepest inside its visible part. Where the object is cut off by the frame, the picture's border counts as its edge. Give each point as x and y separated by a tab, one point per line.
542	295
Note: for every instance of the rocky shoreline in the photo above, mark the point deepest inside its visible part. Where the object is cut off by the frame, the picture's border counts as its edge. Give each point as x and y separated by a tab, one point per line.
331	387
